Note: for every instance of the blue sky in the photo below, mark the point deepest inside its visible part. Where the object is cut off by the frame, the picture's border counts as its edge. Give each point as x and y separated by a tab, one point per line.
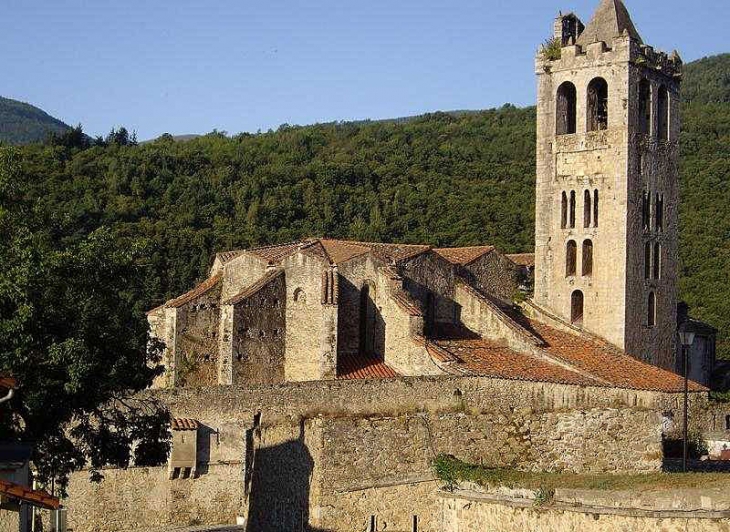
190	66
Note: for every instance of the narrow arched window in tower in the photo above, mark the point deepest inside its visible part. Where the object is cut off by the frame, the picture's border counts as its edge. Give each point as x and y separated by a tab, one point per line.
647	260
657	260
571	258
595	208
597	105
564	211
587	210
565	109
646	210
651	310
572	209
587	258
663	113
659	208
644	107
576	308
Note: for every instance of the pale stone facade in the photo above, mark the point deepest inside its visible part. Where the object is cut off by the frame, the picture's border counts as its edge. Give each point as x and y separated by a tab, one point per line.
607	177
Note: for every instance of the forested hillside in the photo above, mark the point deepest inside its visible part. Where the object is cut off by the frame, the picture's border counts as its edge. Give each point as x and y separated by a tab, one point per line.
21	123
442	179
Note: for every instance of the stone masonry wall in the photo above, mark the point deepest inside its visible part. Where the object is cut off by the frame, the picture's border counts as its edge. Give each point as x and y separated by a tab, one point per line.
460	513
494	274
258	336
196	346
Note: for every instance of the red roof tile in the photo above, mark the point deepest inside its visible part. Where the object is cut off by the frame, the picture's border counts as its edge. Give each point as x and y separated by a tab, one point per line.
38	498
198	291
340	251
275	254
350	367
406	302
522	259
477	356
606	362
255	287
464	256
183	423
227	256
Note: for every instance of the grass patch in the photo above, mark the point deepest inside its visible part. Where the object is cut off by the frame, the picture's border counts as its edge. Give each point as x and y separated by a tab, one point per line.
453	471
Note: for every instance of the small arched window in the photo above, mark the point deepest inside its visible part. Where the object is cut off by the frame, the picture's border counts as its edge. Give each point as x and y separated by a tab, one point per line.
576	308
647	260
587	260
663	113
657	260
564	211
595	208
571	258
645	107
300	296
597	119
659	215
587	210
646	210
572	209
565	109
651	310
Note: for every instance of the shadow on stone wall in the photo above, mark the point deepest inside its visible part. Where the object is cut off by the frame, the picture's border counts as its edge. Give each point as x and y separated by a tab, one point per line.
280	488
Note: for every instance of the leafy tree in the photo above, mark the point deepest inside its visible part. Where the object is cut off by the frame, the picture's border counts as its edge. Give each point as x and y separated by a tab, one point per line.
73	333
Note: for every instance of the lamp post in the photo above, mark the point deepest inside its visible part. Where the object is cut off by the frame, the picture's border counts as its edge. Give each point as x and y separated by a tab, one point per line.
686	338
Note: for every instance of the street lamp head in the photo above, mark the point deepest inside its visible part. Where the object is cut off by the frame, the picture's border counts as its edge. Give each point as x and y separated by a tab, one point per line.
686	334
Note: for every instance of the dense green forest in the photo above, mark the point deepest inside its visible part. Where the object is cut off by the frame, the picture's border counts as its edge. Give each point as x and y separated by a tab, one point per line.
21	123
443	179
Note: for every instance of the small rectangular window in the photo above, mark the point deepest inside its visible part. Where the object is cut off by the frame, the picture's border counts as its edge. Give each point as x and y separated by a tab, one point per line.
415	524
373	523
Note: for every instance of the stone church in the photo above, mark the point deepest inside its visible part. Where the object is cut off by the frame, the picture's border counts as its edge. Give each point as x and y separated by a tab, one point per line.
605	262
313	383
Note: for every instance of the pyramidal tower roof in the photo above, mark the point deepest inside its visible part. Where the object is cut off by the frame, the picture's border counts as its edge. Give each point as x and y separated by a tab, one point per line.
610	20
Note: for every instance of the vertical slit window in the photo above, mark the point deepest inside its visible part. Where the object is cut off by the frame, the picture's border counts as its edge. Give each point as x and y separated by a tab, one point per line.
587	258
595	208
663	113
659	207
572	209
651	310
646	210
597	105
647	260
587	210
565	109
564	211
571	258
657	260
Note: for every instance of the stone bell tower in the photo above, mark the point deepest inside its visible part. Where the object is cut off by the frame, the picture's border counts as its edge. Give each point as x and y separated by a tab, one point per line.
607	177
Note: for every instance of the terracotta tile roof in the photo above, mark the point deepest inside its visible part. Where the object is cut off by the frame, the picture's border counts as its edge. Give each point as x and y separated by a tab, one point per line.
276	253
183	423
477	356
396	252
38	498
227	256
522	259
8	382
255	287
350	367
606	362
340	251
464	256
406	302
155	310
198	291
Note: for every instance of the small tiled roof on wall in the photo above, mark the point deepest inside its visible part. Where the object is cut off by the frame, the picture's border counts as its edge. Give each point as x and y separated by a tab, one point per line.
522	259
38	498
183	423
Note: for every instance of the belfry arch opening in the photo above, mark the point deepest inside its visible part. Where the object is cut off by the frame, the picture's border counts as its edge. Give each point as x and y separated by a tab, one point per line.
663	113
587	266
597	119
565	109
644	107
576	308
571	258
